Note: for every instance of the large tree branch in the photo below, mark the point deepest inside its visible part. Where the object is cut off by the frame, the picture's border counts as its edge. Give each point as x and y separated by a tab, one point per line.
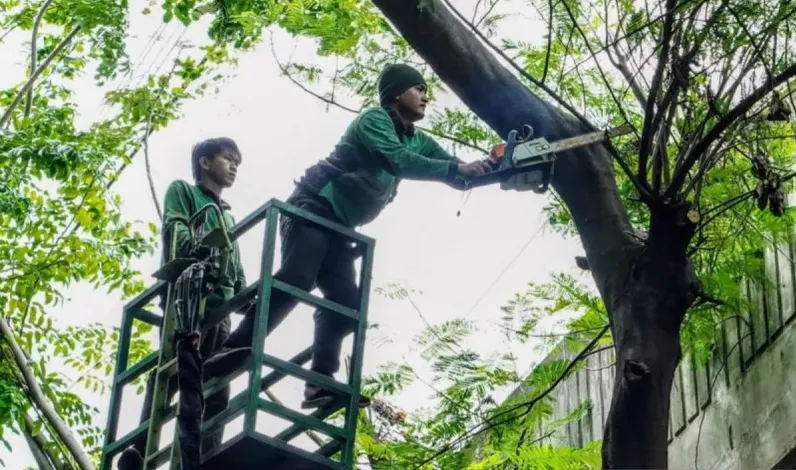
38	397
35	75
715	132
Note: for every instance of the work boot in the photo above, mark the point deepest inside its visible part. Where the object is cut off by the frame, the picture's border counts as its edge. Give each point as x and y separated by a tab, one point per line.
130	460
225	361
317	397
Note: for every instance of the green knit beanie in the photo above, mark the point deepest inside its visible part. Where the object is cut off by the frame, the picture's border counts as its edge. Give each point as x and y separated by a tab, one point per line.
396	79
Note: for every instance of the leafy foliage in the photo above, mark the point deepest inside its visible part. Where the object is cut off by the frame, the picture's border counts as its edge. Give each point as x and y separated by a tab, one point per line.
469	399
61	223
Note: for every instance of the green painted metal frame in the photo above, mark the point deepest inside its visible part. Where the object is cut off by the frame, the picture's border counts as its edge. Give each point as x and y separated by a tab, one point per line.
249	405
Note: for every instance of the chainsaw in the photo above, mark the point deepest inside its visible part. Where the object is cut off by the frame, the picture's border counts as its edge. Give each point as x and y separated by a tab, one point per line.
524	163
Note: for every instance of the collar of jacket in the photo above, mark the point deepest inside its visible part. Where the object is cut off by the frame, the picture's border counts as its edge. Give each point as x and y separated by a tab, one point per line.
221	203
400	129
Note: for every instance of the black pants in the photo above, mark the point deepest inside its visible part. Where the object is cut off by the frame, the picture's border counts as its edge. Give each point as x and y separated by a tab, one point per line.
311	256
215	404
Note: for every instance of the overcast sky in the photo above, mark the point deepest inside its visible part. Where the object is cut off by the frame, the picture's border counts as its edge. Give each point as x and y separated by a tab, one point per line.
281	130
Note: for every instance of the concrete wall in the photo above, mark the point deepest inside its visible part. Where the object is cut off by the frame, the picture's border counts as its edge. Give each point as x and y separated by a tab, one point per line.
744	398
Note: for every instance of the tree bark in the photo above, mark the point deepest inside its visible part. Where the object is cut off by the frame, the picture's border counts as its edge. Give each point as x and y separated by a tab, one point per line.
40	447
634	279
661	285
38	453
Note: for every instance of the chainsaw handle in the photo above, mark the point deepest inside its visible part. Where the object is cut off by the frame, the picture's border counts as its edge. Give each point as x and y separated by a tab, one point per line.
512	141
527	132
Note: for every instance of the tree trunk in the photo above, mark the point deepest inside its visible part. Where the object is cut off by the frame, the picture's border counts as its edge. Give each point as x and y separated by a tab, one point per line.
634	279
646	325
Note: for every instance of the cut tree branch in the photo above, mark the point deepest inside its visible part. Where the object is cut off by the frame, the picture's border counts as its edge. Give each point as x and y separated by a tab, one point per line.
38	397
35	75
715	132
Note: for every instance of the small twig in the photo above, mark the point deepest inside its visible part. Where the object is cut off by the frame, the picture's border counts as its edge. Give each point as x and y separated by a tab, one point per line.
7	32
33	36
487	12
551	7
147	132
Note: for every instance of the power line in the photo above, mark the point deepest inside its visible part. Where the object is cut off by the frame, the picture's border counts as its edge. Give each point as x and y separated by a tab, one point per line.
505	269
136	64
140	78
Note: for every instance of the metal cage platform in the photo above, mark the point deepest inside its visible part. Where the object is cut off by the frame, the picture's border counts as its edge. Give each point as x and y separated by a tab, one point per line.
249	449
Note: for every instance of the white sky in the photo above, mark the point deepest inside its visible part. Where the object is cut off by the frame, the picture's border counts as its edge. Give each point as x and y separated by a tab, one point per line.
281	130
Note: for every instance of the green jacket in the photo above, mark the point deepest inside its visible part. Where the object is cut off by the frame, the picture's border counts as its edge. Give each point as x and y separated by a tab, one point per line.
375	153
182	201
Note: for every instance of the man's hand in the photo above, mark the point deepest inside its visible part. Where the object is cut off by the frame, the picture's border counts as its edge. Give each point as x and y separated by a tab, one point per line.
476	168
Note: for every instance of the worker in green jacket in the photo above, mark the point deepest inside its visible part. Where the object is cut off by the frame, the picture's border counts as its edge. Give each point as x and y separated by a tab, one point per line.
351	187
215	163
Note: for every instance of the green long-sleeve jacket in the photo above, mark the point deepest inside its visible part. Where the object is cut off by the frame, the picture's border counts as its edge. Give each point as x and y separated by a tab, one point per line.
181	202
361	175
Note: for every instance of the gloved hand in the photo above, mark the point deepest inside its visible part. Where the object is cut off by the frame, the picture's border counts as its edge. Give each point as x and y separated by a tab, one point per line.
476	168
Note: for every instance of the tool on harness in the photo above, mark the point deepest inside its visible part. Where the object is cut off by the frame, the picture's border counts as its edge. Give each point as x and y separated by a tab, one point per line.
527	163
193	278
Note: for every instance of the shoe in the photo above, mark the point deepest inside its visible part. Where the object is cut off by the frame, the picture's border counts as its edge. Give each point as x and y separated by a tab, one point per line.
224	361
130	460
316	397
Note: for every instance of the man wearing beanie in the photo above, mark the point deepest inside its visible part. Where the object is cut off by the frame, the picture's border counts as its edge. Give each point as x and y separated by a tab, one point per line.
351	187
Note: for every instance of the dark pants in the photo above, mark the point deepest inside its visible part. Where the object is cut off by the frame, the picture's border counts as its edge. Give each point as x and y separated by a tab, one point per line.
215	404
311	256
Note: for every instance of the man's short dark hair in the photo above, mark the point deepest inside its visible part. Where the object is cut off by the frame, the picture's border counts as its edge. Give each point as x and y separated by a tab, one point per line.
210	148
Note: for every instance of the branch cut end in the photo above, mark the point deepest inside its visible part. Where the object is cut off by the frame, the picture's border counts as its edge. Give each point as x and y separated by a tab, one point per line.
635	371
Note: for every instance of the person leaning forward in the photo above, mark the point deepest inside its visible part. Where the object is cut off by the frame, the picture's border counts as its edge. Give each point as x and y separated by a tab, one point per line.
350	187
